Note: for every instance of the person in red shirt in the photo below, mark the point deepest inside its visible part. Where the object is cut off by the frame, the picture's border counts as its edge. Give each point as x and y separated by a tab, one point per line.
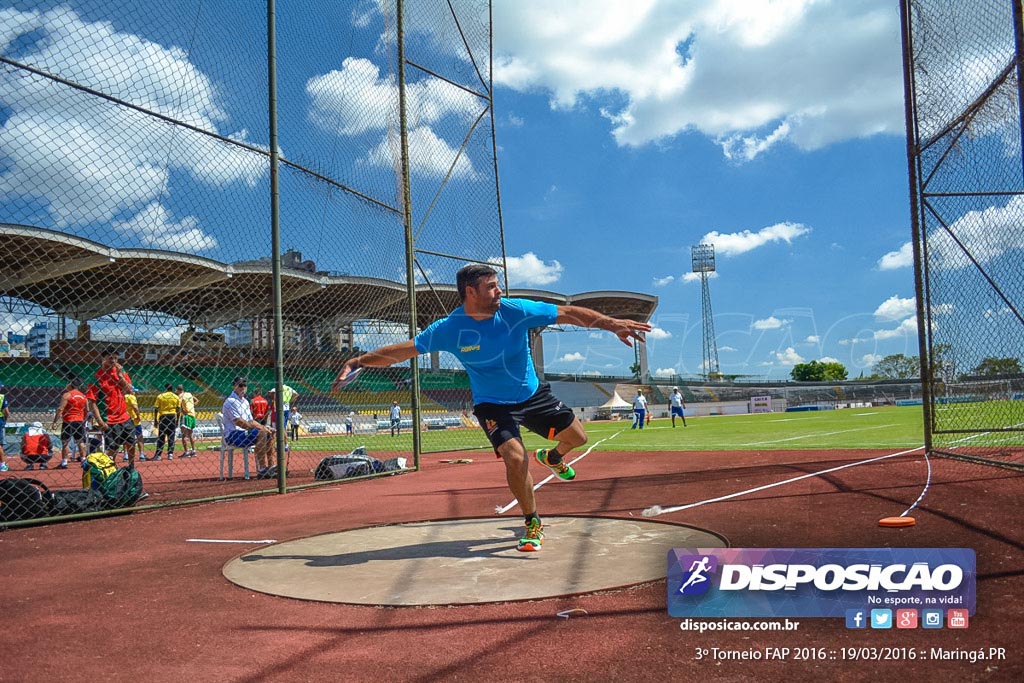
119	430
71	414
260	407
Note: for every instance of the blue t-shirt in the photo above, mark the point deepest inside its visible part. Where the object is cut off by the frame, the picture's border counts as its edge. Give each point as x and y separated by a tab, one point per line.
496	351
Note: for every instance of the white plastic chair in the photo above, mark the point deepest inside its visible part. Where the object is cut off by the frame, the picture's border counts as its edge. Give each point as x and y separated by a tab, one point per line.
228	450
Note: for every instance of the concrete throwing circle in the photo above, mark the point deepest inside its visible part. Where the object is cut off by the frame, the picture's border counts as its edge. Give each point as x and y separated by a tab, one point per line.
465	561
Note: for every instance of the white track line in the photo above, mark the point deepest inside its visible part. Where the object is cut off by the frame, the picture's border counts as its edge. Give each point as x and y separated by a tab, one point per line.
222	540
656	510
503	510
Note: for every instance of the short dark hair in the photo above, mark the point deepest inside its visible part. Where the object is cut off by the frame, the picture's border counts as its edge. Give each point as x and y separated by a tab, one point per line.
240	382
109	351
181	387
469	275
169	387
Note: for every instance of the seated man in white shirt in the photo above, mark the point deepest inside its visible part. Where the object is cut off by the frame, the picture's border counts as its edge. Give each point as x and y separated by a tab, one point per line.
242	431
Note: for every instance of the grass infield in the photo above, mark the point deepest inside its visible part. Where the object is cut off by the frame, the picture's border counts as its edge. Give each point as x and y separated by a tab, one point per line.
886	428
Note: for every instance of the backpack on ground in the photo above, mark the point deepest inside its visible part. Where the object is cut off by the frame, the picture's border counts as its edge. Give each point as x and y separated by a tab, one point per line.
76	501
122	489
95	470
354	464
23	499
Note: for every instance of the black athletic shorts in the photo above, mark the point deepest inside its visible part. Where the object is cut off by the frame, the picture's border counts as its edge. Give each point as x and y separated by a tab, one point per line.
118	435
72	432
542	414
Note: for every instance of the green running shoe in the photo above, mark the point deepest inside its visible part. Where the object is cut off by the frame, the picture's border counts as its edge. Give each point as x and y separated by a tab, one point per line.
563	471
534	538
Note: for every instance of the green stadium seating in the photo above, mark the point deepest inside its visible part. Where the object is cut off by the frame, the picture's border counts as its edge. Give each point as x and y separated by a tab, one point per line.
29	374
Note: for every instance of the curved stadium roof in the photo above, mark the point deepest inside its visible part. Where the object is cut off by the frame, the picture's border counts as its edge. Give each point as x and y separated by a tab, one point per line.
84	280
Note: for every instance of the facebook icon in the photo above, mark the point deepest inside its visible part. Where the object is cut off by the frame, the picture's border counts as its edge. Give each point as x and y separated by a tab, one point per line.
856	618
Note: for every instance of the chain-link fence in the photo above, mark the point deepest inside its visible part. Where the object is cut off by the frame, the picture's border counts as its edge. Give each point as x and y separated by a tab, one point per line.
141	206
963	64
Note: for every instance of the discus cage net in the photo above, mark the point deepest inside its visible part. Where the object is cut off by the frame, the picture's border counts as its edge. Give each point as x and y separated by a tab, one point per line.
963	66
221	190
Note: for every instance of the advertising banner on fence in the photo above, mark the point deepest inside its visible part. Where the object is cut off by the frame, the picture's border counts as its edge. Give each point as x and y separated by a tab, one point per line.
817	582
761	404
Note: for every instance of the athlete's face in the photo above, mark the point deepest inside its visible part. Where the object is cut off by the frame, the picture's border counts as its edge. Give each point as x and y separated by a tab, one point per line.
487	294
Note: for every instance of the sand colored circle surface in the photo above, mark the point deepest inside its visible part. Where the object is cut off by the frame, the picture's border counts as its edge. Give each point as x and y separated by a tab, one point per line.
465	561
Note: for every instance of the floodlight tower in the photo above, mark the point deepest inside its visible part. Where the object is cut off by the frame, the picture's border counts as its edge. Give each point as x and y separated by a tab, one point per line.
703	259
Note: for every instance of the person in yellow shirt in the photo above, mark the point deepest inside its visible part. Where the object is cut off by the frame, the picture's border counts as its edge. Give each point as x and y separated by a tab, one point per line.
187	410
165	419
132	403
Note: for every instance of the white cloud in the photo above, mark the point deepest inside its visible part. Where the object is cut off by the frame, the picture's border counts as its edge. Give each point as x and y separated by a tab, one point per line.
658	333
828	359
573	357
749	75
725	349
869	359
111	160
985	234
906	328
770	323
357	99
789	357
901	258
895	308
530	270
812	339
428	154
662	281
155	228
733	244
695	277
665	372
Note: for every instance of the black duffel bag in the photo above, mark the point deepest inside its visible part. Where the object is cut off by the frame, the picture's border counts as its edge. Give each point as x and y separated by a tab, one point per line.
76	501
22	499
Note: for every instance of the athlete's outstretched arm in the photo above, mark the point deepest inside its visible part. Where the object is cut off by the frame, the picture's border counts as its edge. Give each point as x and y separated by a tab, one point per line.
626	330
378	358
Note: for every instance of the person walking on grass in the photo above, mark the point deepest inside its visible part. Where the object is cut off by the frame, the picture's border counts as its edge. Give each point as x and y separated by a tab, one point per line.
490	337
396	418
676	406
187	421
639	409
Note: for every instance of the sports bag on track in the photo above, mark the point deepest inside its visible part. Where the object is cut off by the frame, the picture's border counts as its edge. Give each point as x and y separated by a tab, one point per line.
23	499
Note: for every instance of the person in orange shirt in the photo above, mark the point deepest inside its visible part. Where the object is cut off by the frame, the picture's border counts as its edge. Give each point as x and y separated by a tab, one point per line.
71	414
260	407
112	381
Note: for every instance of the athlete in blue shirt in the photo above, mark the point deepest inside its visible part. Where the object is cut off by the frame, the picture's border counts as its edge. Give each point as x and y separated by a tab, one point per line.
490	337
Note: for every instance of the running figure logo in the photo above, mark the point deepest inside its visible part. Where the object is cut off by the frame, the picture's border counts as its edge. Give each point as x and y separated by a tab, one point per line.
697	581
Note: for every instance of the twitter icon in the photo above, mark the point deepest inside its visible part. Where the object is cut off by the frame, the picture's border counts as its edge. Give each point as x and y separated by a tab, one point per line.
881	618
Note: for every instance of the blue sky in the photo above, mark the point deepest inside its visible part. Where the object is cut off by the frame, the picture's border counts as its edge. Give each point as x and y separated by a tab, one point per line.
631	132
627	133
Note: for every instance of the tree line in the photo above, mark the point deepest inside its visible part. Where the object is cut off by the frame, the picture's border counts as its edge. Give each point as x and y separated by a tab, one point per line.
900	366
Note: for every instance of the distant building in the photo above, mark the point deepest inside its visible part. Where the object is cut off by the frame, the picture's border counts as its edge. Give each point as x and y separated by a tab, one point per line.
38	339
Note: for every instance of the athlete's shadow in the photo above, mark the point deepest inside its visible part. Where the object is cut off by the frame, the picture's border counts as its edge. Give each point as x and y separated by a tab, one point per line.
459	549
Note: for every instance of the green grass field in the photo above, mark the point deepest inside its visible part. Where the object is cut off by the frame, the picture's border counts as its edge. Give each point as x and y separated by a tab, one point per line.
885	428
